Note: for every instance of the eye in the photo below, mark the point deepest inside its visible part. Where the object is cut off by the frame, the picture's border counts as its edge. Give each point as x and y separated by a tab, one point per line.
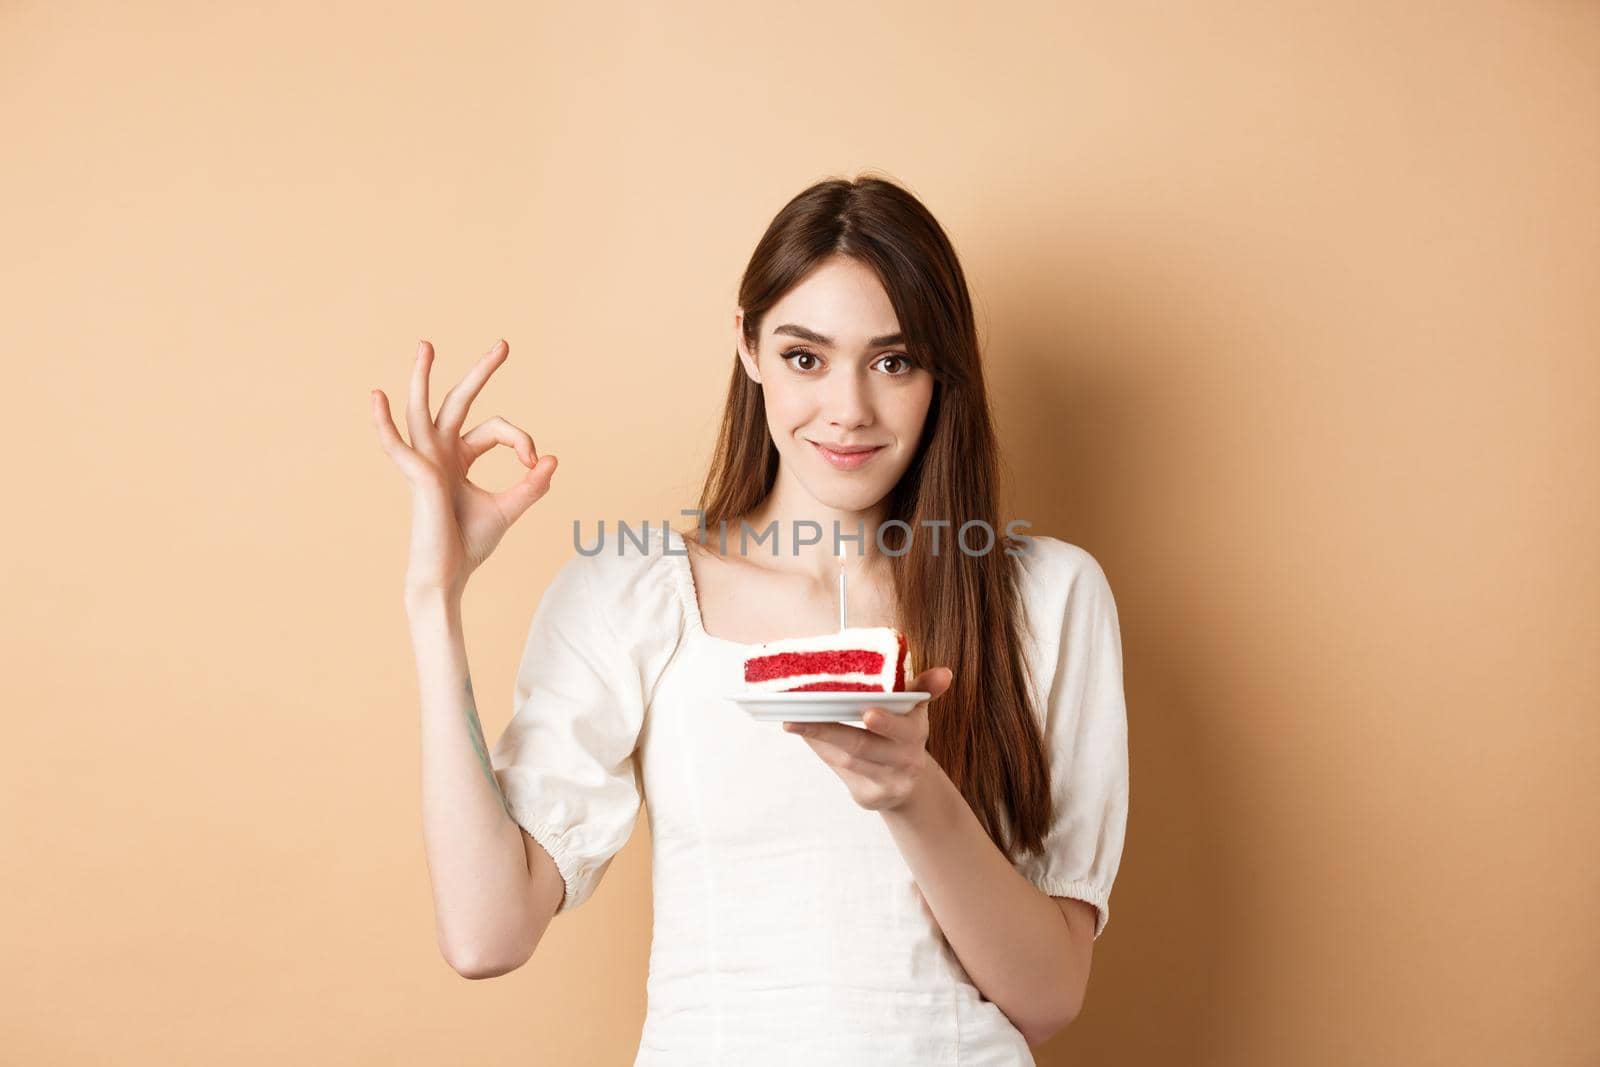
798	354
902	361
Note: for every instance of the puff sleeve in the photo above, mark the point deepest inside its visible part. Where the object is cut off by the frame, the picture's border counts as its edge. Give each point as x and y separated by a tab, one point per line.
565	762
1085	729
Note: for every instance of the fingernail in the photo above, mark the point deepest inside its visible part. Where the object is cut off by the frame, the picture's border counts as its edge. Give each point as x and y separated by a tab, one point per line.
422	347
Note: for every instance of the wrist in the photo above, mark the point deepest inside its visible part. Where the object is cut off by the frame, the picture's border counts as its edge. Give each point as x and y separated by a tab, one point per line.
427	599
929	799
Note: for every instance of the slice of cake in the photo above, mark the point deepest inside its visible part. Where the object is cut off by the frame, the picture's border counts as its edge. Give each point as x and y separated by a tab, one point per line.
865	659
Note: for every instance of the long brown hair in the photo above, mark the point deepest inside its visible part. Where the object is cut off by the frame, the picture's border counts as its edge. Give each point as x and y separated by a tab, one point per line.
957	610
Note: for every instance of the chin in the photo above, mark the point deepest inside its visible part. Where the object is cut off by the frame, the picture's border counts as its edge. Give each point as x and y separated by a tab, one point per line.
856	498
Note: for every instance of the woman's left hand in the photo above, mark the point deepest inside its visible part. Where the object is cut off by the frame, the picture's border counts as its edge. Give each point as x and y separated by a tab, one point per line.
883	763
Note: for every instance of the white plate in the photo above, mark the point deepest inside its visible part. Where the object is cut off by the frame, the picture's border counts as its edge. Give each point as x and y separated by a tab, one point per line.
823	706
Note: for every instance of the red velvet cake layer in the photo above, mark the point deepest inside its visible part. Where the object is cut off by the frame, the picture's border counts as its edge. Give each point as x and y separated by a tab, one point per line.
832	661
836	687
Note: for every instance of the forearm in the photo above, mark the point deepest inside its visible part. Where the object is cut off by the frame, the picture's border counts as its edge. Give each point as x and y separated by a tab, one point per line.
1009	936
476	860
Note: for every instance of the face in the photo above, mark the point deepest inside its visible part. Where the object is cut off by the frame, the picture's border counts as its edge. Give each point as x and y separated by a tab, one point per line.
833	372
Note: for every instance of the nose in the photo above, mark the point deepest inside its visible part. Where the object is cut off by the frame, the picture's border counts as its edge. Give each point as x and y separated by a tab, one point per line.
849	402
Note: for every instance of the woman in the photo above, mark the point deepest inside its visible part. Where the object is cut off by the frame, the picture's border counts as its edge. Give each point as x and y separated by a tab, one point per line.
920	889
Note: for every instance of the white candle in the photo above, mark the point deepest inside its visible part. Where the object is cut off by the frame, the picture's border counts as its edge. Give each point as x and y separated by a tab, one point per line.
841	595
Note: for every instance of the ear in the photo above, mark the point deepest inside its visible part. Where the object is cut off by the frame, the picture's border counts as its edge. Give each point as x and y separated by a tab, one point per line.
745	357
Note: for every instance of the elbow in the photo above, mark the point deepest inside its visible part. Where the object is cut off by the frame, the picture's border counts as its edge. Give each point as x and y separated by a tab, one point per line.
470	965
478	961
478	953
1038	1035
1041	1030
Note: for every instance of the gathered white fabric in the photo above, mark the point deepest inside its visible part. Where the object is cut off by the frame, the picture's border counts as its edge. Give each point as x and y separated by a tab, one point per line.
787	926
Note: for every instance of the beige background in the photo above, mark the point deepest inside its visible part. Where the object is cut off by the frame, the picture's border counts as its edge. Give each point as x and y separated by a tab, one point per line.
1290	313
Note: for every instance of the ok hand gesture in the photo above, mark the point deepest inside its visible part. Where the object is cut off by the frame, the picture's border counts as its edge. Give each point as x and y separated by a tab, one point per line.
455	524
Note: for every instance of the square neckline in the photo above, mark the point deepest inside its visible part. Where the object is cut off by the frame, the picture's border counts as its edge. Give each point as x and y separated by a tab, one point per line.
689	595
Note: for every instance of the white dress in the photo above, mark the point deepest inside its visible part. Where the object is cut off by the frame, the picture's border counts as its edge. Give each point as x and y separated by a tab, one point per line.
787	926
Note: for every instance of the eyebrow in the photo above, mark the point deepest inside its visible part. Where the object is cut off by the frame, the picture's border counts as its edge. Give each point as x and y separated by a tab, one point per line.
796	330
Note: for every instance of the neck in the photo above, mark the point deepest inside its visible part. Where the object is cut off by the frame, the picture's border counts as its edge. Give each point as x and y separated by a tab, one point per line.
792	509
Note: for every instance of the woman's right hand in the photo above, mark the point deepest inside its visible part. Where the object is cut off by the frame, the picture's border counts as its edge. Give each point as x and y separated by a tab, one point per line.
455	524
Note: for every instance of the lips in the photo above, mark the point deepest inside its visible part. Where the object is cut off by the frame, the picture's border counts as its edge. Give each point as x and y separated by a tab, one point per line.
846	461
846	450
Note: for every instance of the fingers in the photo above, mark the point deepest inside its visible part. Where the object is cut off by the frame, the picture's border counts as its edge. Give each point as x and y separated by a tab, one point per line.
419	424
496	430
883	762
453	411
389	435
848	747
934	681
520	497
887	735
909	728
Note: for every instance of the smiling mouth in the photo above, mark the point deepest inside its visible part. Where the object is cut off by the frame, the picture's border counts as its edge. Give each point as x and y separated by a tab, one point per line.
843	451
847	460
